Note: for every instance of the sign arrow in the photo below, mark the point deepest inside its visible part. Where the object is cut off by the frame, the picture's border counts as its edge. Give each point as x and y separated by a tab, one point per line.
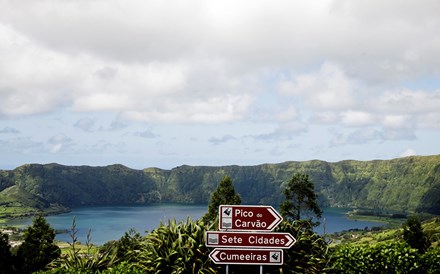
249	239
213	255
247	256
248	217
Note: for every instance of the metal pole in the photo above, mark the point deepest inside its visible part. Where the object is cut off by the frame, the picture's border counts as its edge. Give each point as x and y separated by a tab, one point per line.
261	269
227	269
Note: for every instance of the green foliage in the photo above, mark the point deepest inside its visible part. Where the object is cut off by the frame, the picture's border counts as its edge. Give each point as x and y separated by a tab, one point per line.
38	248
121	268
124	268
309	254
300	197
89	261
174	248
223	195
431	260
413	234
391	257
430	201
130	241
82	185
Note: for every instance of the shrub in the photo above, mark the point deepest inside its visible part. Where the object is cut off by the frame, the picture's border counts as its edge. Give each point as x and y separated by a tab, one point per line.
174	248
391	257
431	260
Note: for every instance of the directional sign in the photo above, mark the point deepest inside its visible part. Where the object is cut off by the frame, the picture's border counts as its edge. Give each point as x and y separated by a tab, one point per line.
249	239
253	218
247	256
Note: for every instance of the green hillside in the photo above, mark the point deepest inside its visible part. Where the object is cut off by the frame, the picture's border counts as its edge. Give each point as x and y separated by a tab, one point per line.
410	184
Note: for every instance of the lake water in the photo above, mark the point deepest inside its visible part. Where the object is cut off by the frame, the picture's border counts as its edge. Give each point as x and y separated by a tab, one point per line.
110	223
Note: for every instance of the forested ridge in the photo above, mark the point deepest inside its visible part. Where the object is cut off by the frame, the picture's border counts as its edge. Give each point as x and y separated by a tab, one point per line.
410	184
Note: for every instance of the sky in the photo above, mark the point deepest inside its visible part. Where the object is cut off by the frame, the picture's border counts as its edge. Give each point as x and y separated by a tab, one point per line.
164	83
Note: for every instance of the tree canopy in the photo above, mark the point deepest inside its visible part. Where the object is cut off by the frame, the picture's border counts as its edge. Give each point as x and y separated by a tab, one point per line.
38	248
300	197
223	195
413	234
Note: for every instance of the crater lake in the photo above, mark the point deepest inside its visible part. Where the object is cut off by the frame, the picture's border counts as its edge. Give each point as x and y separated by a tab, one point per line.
111	222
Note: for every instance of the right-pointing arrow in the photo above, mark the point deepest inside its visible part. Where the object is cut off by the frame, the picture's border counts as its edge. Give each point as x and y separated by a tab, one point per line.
248	218
249	239
290	240
277	218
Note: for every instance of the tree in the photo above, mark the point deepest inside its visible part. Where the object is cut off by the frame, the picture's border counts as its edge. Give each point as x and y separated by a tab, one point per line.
300	197
5	254
223	195
38	248
413	234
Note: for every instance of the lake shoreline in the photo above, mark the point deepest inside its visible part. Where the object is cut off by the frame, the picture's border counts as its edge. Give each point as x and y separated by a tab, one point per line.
110	223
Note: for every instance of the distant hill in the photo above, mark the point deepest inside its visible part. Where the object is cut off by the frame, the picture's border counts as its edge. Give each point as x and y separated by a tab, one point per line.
410	184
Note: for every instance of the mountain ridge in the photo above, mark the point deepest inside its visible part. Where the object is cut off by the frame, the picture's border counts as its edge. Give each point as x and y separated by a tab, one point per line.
408	184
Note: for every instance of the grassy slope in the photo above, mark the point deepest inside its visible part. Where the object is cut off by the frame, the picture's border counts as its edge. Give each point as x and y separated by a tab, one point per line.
431	227
16	202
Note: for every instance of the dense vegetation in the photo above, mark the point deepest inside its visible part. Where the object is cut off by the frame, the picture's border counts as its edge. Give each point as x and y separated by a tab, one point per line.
180	247
410	184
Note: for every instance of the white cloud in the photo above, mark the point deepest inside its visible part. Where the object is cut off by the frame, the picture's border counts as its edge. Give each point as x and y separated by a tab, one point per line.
131	57
409	101
150	91
357	118
60	142
32	78
325	118
397	121
327	89
408	152
368	69
56	148
289	114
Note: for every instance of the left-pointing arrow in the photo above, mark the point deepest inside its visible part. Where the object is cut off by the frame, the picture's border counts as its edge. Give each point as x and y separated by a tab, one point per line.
247	256
213	255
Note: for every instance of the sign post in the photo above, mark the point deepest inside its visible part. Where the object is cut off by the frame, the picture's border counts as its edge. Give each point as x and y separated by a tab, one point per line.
246	237
247	256
249	239
248	218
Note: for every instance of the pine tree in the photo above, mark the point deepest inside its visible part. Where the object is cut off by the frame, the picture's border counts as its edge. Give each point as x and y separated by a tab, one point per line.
300	197
223	195
38	248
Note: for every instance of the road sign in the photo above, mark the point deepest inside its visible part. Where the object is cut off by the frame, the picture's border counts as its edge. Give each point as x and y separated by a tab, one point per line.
248	217
249	239
247	256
